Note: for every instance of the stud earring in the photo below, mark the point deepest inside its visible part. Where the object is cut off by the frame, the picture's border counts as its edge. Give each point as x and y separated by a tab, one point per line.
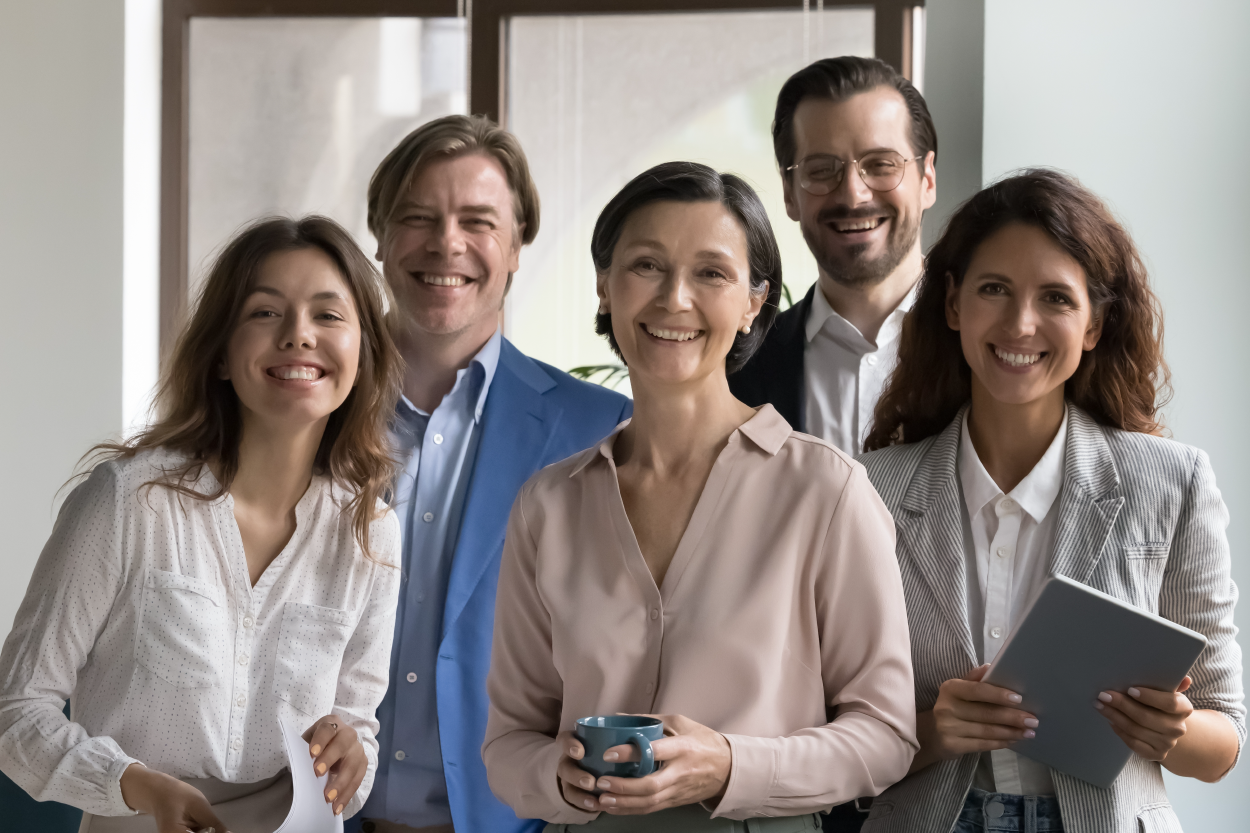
746	331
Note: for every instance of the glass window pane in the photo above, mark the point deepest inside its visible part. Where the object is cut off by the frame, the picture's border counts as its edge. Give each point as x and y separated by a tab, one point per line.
595	100
292	115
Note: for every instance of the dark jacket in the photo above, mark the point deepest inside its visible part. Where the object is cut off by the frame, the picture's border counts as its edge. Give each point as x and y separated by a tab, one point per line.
774	375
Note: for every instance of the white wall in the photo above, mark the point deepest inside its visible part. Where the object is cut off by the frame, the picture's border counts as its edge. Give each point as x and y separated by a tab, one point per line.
61	65
1148	103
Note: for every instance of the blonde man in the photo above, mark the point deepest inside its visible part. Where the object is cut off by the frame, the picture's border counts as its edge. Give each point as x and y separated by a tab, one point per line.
451	207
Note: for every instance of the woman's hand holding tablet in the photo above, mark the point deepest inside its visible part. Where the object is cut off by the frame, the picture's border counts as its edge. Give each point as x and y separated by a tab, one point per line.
970	716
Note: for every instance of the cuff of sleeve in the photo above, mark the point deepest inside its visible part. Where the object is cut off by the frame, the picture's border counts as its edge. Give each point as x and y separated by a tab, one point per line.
357	802
1239	728
752	773
113	786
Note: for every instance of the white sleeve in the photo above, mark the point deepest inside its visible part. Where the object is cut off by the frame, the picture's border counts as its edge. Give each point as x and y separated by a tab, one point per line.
366	669
74	586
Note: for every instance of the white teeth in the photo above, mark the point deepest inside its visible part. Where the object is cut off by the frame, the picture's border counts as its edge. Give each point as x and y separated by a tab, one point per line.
443	280
1018	359
308	374
863	225
673	335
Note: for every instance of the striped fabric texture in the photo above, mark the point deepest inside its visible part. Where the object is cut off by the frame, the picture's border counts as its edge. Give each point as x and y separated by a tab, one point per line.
1140	519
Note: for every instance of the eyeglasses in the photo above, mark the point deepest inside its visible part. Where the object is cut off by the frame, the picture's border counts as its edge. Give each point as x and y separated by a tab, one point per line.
880	171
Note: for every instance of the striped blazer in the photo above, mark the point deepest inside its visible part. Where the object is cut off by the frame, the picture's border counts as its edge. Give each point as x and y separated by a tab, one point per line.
1140	518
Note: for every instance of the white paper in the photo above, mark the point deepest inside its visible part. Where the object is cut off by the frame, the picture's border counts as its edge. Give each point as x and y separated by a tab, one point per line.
310	813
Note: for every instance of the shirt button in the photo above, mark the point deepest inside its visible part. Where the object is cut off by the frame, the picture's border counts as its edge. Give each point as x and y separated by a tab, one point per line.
1003	552
420	597
427	517
399	755
997	633
236	744
1006	507
412	676
243	659
655	613
438	439
248	621
872	360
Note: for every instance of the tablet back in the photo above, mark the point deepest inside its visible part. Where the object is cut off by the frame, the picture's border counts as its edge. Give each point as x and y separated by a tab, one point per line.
1074	642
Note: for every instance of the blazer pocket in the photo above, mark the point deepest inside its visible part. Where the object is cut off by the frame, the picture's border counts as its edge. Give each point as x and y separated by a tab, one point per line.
1146	563
1158	818
183	635
311	643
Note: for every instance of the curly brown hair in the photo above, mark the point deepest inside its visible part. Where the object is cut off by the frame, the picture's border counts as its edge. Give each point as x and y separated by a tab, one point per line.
1122	382
198	412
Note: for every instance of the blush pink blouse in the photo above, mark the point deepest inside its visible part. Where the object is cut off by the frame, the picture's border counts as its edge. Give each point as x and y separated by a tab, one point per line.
780	623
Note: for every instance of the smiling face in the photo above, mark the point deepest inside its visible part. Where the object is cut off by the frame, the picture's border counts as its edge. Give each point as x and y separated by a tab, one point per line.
678	291
1023	314
452	243
859	236
295	349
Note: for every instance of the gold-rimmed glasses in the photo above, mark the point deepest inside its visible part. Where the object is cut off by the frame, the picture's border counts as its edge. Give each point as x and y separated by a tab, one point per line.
880	170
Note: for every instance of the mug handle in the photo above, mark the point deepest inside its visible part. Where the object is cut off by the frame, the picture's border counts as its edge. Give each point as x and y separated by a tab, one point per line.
646	766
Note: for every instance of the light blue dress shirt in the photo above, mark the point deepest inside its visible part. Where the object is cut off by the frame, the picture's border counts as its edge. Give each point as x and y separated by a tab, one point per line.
441	449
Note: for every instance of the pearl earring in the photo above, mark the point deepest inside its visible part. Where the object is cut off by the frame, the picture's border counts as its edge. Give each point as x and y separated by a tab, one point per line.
746	331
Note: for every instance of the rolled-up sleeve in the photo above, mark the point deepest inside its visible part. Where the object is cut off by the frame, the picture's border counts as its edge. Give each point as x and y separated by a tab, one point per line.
867	673
71	592
525	688
1198	592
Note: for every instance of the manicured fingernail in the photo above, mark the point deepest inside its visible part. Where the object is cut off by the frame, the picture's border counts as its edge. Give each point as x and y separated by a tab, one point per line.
338	811
1030	734
1105	697
1015	698
321	769
607	800
588	804
331	795
587	784
604	784
1031	722
1098	706
610	756
316	750
1133	692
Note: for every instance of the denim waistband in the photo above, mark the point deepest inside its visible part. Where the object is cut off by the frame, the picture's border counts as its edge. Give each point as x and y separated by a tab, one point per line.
1007	813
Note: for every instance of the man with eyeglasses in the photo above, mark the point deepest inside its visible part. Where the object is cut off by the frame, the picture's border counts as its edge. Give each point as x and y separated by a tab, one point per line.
857	149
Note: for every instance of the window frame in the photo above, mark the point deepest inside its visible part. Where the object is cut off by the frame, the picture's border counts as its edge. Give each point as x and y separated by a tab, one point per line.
487	63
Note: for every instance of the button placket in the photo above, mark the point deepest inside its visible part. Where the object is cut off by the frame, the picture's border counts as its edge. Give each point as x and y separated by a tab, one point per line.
999	571
244	638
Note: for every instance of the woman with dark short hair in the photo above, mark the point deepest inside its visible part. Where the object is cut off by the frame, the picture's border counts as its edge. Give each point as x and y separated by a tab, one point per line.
704	564
230	569
1018	438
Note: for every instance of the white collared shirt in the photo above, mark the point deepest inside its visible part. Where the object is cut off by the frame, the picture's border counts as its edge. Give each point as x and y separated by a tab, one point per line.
1013	536
843	372
142	612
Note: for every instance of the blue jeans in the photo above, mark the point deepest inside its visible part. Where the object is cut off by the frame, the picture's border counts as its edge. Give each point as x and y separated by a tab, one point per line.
1002	813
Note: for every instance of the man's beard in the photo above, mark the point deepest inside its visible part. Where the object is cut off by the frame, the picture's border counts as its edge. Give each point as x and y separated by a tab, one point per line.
850	266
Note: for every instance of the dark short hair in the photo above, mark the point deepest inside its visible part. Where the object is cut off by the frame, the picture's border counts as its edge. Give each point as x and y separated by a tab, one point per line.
692	182
837	79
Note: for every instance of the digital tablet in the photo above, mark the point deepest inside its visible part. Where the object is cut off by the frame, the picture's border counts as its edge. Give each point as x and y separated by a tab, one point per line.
1073	643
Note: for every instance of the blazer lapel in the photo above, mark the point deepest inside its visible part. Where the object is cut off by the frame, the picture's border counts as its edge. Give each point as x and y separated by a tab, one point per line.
517	426
930	525
1088	505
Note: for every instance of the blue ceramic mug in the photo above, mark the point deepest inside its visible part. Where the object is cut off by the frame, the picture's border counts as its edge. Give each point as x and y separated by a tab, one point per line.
599	734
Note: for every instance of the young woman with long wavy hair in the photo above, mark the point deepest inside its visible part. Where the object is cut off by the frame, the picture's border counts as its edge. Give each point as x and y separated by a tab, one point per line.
1019	437
229	567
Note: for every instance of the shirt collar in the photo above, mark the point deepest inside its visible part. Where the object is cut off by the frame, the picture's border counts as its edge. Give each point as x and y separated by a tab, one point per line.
821	312
767	429
1036	493
483	365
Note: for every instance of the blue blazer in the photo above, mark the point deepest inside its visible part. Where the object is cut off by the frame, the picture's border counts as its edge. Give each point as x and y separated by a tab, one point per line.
535	415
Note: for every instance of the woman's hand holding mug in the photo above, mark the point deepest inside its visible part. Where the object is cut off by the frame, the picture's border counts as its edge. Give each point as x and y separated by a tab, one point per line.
175	806
336	748
696	768
970	716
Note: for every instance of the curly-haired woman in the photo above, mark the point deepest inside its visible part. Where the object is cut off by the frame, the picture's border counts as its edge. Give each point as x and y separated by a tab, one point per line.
226	569
1018	438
